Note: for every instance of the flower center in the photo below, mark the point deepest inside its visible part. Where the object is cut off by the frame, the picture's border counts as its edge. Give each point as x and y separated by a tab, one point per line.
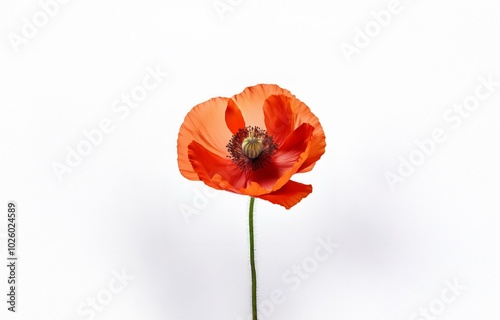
251	148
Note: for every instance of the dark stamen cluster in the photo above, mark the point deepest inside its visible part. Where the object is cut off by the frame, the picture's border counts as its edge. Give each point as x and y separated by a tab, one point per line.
234	147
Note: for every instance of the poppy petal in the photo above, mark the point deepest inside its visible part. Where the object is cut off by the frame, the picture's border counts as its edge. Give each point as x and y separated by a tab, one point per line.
287	160
289	195
217	172
278	117
233	116
303	114
206	124
251	100
221	173
317	149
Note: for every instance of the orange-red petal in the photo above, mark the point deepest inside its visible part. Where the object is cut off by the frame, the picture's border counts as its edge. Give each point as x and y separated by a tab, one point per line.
287	160
233	116
222	173
251	100
303	114
317	149
288	195
214	170
206	124
278	117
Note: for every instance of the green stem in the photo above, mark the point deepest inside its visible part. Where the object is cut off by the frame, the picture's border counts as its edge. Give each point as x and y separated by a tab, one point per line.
252	260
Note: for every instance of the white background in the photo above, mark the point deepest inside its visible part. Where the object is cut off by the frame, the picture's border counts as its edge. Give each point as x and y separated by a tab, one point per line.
119	209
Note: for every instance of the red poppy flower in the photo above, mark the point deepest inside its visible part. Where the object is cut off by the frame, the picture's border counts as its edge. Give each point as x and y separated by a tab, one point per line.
252	144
